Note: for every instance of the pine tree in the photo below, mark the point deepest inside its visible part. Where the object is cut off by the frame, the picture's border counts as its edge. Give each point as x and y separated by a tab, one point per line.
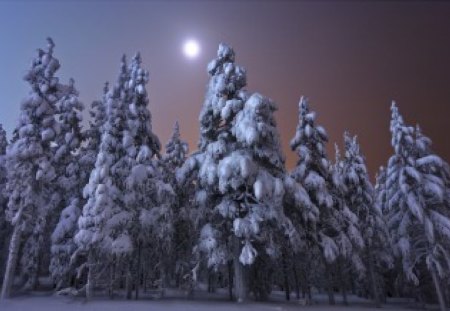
360	199
30	171
240	171
417	204
70	181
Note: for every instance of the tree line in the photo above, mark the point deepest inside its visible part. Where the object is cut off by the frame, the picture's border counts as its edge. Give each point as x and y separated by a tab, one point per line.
104	210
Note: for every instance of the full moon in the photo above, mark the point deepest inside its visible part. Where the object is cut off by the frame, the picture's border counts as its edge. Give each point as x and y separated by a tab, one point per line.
191	49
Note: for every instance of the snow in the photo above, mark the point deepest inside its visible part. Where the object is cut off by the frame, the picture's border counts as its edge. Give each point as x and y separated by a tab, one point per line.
201	302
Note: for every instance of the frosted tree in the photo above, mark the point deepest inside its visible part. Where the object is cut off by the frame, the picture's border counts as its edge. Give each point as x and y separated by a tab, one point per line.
325	226
148	197
360	198
380	189
104	213
240	171
176	152
5	229
30	171
70	181
417	205
346	222
93	134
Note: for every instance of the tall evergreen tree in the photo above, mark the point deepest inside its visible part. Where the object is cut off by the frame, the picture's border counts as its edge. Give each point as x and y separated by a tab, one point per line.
149	197
360	199
240	171
417	205
30	171
328	225
100	235
349	238
70	181
176	152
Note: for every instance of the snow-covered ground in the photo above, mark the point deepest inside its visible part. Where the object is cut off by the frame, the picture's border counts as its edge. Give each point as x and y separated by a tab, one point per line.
47	302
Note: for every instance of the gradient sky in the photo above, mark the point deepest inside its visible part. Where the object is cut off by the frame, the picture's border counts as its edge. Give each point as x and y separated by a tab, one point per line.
349	58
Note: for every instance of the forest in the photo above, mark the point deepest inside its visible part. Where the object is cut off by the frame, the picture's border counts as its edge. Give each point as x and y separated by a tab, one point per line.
100	208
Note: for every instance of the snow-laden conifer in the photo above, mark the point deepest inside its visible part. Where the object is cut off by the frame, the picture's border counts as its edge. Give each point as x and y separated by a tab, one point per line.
360	198
240	170
30	171
104	214
417	204
70	182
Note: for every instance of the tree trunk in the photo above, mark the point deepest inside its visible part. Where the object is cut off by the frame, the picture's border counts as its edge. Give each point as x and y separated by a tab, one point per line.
373	281
112	274
230	279
437	286
239	273
138	272
342	283
14	246
330	286
129	280
287	290
297	284
90	276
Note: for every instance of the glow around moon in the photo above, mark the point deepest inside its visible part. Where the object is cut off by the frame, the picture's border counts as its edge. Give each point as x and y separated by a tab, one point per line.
191	49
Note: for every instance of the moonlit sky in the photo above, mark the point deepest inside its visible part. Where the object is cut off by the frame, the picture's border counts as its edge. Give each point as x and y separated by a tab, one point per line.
350	59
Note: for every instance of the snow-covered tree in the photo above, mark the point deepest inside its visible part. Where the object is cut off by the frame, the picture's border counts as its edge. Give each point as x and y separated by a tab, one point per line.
418	205
349	238
176	152
30	171
328	223
149	197
99	235
359	196
93	134
240	171
70	182
5	228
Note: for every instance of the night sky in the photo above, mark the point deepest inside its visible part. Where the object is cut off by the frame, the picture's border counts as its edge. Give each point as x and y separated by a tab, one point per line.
349	58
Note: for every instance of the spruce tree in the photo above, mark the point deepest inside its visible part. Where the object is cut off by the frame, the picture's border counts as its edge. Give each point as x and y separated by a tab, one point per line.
149	197
240	171
70	181
30	171
176	152
103	217
417	205
326	226
360	199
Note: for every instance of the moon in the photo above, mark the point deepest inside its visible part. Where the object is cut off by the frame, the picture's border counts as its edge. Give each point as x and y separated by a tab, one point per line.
191	48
